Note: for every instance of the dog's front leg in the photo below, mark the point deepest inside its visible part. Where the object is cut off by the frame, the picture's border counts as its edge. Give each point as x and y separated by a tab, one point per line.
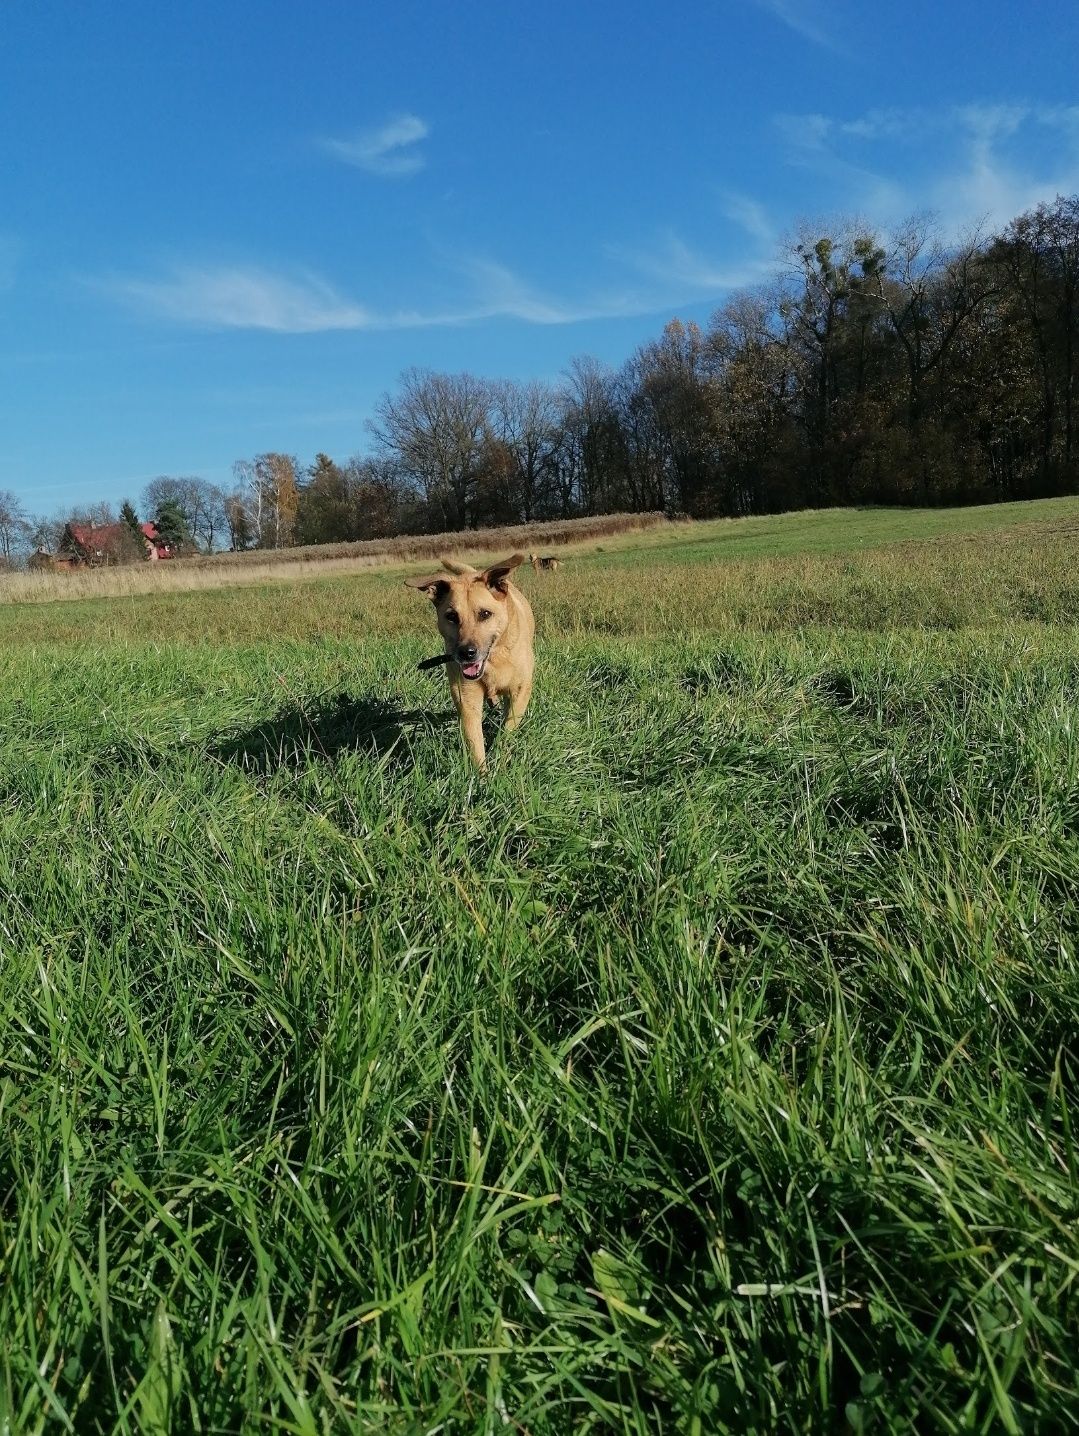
468	700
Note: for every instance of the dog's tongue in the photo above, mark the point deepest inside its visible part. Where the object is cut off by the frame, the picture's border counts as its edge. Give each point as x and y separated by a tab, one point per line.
470	670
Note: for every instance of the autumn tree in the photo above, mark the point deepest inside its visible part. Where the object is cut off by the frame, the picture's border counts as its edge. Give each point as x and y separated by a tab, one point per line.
674	384
374	497
1038	259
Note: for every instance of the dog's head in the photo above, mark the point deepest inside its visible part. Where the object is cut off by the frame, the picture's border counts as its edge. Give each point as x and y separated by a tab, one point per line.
472	607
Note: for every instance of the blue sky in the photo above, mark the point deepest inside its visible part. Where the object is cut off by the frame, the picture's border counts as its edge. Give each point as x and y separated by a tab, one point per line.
227	228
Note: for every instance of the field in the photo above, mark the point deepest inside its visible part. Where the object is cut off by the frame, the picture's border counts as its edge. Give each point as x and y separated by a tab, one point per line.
709	1066
198	572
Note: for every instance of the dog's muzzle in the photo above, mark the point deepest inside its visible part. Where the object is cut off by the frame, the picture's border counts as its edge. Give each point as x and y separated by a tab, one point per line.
471	661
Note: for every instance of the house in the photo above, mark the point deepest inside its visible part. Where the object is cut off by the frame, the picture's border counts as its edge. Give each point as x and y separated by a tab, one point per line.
85	544
42	561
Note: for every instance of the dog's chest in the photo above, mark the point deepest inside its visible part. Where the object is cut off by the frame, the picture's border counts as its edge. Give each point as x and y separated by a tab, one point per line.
498	678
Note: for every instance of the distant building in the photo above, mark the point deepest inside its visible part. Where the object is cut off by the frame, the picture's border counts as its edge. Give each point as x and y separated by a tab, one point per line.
84	544
42	561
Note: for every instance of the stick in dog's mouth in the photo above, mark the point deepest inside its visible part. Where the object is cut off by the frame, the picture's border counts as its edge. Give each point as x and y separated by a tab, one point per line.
468	670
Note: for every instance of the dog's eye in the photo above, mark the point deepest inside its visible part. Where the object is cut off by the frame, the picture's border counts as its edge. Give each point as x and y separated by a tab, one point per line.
483	615
451	614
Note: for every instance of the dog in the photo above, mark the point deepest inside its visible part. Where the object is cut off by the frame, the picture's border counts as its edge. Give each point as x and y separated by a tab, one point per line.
487	626
543	561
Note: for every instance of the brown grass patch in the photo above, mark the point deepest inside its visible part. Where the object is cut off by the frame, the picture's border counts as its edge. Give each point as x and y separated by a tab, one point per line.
416	546
226	570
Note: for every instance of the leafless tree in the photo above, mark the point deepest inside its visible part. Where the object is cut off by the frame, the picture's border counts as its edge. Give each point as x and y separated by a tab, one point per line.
435	428
526	418
14	525
591	475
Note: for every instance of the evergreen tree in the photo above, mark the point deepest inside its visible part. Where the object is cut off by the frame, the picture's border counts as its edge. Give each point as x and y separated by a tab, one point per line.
132	540
172	526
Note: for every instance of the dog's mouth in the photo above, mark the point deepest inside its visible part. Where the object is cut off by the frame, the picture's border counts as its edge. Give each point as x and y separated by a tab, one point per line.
475	669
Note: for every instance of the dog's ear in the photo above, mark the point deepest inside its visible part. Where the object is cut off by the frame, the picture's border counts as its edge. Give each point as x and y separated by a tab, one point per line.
453	565
498	575
434	587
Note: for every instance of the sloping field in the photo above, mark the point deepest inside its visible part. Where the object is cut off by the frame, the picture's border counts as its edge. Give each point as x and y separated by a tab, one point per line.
709	1066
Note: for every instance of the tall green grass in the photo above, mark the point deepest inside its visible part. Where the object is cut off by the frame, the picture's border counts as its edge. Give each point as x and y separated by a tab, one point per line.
710	1065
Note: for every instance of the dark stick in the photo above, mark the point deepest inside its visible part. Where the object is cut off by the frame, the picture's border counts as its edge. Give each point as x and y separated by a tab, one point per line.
433	662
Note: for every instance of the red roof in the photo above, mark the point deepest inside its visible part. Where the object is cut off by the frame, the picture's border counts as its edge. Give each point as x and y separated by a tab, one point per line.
97	540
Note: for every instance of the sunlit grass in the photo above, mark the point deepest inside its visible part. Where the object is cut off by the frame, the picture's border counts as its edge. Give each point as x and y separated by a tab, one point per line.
708	1066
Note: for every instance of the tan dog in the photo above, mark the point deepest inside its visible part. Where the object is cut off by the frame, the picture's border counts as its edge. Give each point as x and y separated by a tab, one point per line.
487	626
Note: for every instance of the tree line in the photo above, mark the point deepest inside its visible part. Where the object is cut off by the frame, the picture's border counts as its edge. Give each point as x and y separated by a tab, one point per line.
874	369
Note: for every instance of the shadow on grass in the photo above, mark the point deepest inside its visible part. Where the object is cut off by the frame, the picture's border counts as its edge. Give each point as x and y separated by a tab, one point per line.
302	733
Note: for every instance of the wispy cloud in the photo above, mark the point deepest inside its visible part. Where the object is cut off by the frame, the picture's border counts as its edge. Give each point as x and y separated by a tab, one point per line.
749	214
237	297
498	292
389	149
1005	165
254	298
801	17
969	163
685	273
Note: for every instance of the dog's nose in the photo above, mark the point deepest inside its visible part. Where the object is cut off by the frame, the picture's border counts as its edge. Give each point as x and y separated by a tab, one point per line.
467	651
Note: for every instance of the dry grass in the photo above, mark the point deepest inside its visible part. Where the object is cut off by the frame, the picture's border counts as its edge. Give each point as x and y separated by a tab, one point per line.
417	546
228	570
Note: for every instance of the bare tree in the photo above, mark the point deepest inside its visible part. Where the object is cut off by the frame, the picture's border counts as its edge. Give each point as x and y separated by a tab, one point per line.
435	429
238	521
592	473
526	418
14	526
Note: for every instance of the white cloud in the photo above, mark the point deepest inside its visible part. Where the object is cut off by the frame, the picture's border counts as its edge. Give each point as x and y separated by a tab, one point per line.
749	215
254	298
235	297
684	273
388	149
972	163
500	293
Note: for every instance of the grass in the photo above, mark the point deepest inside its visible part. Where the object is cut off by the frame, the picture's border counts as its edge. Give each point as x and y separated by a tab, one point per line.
259	566
710	1066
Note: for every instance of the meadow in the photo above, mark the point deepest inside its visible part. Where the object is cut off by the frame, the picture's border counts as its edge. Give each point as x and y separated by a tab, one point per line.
710	1065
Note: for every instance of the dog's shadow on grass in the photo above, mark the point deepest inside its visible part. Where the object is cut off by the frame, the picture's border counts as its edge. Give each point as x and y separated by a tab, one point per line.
323	729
